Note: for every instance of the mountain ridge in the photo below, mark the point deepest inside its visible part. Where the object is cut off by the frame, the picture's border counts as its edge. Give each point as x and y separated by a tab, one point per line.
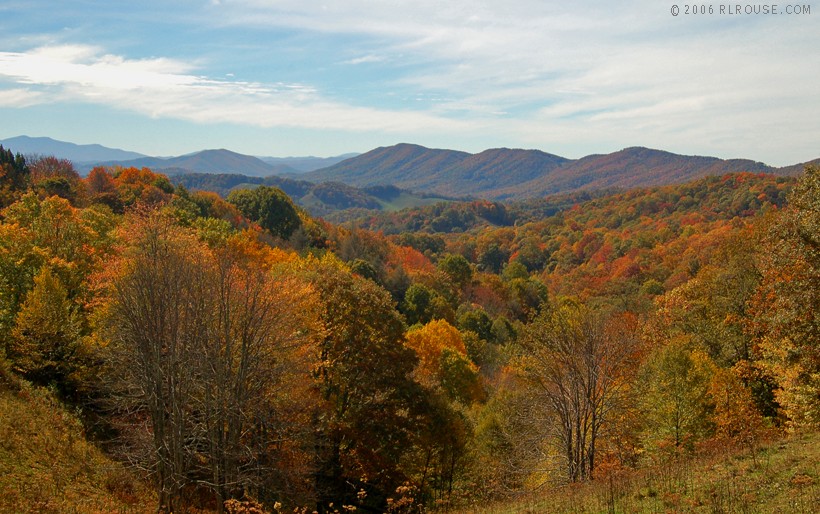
65	150
208	161
220	160
493	174
502	173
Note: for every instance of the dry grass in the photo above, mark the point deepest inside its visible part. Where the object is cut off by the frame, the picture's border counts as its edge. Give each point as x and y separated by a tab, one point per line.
47	465
783	478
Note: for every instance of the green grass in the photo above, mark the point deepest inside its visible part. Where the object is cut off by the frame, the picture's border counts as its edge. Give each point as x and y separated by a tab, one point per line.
408	200
784	478
47	465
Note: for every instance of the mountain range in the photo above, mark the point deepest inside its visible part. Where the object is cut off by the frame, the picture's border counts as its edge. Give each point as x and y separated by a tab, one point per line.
86	157
495	174
511	174
78	154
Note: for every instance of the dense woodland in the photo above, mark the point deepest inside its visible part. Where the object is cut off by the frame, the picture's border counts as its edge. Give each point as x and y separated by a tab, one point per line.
235	352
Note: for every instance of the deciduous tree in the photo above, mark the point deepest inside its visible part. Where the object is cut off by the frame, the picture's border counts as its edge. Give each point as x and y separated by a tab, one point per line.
786	306
580	365
678	407
268	206
46	333
363	374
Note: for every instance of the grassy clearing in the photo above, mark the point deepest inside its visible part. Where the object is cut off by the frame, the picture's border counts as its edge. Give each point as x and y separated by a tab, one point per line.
47	465
784	478
408	200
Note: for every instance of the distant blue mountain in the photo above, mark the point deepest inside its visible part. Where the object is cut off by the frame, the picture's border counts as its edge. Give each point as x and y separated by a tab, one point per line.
306	164
77	154
86	157
208	161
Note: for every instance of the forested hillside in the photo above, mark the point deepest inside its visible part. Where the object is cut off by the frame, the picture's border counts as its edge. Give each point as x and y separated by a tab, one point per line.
332	200
237	353
514	174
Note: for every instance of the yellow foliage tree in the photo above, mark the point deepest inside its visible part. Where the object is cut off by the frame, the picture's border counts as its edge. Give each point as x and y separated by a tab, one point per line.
443	360
429	341
45	336
786	306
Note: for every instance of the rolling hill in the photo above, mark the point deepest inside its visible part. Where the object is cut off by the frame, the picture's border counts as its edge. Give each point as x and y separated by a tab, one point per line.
305	164
631	167
513	173
403	165
86	157
321	199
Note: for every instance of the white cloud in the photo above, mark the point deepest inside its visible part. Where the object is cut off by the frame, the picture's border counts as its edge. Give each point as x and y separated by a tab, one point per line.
163	87
365	59
19	98
541	72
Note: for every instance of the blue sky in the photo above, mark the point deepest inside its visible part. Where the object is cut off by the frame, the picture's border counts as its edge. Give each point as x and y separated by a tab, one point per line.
291	77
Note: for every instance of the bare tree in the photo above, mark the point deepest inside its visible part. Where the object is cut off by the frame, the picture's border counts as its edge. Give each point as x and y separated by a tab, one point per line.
257	325
579	365
204	342
156	321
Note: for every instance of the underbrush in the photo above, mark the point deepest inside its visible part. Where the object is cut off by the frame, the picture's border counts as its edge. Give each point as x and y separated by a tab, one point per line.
782	476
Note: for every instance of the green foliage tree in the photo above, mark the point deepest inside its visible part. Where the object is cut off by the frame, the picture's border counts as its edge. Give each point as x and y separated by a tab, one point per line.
14	176
422	304
476	320
515	270
678	407
491	258
527	297
457	269
268	206
364	269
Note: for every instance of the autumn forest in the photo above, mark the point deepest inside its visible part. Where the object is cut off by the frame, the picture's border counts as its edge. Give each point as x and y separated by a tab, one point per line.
234	353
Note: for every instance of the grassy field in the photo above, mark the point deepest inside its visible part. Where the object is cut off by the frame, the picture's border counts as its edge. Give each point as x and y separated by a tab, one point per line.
47	465
783	477
408	200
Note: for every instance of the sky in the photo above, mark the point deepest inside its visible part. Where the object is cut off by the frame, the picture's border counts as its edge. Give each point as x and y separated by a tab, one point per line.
303	77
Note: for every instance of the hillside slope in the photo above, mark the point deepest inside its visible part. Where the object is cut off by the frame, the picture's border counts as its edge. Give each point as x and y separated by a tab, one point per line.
320	199
631	167
783	476
403	165
47	465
